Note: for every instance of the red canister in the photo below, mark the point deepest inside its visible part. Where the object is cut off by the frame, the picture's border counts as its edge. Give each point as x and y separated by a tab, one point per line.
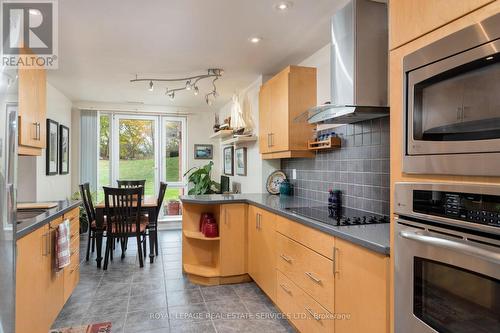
203	219
211	229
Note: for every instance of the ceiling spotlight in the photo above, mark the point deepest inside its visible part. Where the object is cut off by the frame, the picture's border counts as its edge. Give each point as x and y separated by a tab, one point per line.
151	86
188	85
196	90
171	95
255	39
489	58
283	5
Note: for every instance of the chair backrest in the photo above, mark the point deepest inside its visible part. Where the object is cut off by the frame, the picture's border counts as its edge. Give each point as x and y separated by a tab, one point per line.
122	209
161	195
131	183
87	201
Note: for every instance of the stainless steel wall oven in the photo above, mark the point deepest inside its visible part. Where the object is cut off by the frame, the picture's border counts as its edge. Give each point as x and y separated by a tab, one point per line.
452	103
447	258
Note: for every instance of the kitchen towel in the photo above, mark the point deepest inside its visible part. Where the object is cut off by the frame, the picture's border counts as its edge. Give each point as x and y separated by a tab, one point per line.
62	245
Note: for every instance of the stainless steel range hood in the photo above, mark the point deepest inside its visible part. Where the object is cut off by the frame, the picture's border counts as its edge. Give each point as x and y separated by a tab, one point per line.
358	65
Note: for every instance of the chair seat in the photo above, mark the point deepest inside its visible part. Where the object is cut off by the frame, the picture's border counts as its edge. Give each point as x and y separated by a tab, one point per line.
142	228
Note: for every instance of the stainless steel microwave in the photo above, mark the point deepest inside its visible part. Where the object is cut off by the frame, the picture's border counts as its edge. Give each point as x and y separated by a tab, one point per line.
452	104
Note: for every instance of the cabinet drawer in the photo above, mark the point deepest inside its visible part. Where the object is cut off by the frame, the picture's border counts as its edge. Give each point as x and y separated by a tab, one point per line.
308	269
304	312
313	239
72	215
71	275
74	246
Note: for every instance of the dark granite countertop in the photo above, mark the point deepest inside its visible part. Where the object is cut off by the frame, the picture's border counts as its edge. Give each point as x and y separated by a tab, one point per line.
30	225
373	236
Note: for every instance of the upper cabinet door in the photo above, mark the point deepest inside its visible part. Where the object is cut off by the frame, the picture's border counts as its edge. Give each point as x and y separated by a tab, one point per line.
410	19
32	107
264	119
279	112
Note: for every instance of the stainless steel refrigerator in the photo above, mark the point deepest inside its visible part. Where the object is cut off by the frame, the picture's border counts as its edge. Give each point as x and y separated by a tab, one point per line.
8	180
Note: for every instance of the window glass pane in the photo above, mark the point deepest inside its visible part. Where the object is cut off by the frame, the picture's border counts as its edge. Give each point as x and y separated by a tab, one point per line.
173	151
104	151
136	151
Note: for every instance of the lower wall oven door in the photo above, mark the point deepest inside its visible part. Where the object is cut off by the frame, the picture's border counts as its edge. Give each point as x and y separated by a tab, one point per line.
445	282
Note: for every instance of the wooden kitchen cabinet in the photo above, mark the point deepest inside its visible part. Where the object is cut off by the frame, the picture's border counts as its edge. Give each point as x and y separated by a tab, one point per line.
41	291
32	253
32	111
410	19
233	243
282	99
262	249
361	289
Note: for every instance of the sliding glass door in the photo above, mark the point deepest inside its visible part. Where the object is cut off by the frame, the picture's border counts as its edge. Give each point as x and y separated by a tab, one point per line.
135	140
144	147
173	162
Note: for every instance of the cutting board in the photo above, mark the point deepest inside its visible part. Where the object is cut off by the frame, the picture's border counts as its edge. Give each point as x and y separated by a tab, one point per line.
36	205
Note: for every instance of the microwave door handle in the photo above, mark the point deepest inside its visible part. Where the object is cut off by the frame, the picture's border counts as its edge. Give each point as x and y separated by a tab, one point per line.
477	252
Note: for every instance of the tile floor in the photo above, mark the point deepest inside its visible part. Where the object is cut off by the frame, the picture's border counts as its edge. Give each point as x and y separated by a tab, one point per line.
158	297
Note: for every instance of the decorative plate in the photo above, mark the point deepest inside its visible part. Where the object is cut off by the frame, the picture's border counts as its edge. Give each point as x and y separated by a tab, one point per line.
274	180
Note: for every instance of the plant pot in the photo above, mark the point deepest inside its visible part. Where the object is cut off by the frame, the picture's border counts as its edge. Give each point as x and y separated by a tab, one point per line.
173	207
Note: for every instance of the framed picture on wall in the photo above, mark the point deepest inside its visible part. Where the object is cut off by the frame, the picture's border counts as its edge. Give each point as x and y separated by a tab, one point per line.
241	161
203	152
228	160
52	153
63	150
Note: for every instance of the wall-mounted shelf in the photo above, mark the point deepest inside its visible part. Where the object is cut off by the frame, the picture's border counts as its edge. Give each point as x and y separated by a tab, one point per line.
222	134
239	139
331	143
198	235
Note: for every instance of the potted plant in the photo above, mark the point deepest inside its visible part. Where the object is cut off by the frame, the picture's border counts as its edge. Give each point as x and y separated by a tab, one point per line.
201	179
173	207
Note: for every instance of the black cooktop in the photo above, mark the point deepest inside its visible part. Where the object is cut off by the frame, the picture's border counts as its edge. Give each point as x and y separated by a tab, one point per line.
348	216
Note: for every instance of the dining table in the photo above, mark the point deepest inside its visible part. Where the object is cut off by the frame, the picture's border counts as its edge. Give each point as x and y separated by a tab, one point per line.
149	206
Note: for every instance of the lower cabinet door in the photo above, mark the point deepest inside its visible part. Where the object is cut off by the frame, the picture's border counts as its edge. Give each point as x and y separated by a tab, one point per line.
233	227
302	311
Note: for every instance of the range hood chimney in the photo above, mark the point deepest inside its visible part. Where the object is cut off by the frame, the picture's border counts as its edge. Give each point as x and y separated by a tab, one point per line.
359	53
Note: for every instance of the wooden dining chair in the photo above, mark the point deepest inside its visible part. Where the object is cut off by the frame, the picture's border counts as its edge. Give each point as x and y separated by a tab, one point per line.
153	225
88	204
123	211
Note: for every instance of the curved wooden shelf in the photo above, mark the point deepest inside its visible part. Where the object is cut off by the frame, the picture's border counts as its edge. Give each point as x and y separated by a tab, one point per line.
198	235
201	270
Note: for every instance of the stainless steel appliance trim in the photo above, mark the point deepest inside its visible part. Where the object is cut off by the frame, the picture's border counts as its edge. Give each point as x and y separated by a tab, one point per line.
459	246
406	250
419	147
403	201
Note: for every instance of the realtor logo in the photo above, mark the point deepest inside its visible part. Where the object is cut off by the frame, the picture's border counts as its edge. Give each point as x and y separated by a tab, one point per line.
29	33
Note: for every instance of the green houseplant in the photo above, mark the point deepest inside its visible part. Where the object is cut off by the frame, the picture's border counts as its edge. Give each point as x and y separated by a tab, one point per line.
202	181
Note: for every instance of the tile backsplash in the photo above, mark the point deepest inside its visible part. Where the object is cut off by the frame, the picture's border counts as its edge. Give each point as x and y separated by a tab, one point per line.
360	169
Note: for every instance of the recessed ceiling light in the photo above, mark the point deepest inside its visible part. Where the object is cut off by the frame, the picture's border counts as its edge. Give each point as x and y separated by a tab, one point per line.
283	5
255	39
489	58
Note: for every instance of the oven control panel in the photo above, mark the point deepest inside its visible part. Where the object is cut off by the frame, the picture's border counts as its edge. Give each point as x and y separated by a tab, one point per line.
474	208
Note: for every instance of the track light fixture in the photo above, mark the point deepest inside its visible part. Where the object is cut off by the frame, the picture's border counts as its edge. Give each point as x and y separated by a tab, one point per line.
191	84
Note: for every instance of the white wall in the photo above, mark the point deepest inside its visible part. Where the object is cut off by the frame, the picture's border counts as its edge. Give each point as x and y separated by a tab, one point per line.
33	183
257	168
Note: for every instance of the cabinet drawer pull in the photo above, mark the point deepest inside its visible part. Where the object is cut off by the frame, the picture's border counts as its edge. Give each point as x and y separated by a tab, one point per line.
314	315
285	288
286	258
312	277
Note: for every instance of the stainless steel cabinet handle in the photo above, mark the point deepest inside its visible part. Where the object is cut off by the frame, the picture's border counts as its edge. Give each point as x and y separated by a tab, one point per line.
268	139
312	277
272	139
225	215
36	131
467	249
45	245
285	288
286	258
39	132
314	315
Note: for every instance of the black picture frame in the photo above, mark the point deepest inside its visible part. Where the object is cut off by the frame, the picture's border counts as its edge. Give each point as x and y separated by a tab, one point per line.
228	161
203	152
52	149
241	161
63	150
